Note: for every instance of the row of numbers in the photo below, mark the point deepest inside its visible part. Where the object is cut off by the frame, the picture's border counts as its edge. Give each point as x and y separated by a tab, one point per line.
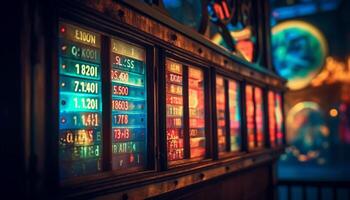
86	103
86	87
86	70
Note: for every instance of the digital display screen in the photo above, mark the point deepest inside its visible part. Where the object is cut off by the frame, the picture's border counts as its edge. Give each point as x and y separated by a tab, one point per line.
279	118
259	116
174	110
250	115
129	105
272	118
275	118
235	116
221	112
196	112
80	102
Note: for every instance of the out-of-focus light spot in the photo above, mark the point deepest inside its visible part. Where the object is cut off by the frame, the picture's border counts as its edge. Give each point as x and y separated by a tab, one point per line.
333	112
342	107
302	158
324	130
295	152
325	145
307	131
284	157
63	30
312	154
334	71
321	161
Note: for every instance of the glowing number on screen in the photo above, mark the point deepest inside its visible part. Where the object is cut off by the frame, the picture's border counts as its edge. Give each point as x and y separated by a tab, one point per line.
175	78
75	120
121	133
126	62
86	70
86	103
117	60
120	105
120	76
81	86
120	90
129	63
90	119
69	137
124	76
122	119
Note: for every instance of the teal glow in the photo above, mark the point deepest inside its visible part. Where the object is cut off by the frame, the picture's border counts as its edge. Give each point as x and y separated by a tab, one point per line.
133	79
79	102
77	85
187	12
79	69
132	119
299	51
129	108
128	147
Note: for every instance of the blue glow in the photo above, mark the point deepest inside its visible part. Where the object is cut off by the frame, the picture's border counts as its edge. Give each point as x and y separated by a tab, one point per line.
187	12
304	8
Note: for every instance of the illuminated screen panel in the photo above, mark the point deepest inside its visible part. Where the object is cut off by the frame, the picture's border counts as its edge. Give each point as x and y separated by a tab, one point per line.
174	110
259	116
235	117
129	105
220	112
250	115
279	118
80	102
196	112
272	118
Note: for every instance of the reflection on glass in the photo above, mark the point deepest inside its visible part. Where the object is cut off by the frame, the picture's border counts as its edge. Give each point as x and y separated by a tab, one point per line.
174	111
220	112
235	118
196	112
259	116
250	115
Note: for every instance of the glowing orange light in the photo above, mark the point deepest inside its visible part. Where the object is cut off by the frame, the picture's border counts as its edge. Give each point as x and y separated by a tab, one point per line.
246	48
227	13
333	112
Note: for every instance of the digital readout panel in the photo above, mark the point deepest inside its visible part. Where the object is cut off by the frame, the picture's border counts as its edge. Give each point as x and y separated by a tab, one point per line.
259	116
250	115
174	110
220	113
235	115
129	105
279	118
196	112
80	103
272	118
